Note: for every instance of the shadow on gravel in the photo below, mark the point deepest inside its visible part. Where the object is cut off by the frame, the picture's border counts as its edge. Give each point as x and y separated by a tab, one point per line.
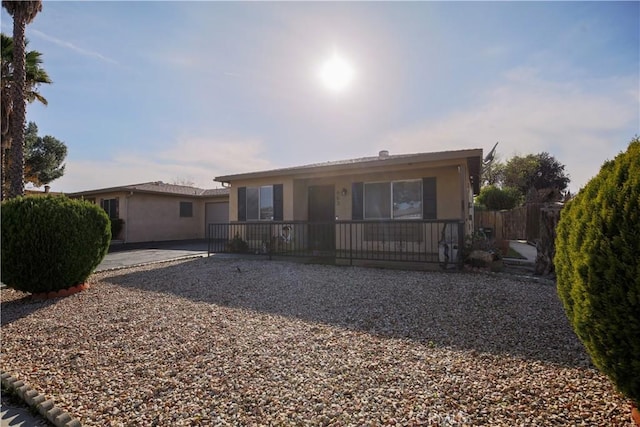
181	245
494	314
16	309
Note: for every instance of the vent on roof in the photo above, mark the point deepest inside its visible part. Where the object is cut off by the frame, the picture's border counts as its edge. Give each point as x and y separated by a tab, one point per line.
383	154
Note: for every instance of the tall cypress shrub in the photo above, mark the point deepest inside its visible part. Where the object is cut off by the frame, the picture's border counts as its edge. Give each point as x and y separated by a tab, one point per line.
598	269
51	243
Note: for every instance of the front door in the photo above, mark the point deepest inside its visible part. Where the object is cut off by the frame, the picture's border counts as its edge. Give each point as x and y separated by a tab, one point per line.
322	215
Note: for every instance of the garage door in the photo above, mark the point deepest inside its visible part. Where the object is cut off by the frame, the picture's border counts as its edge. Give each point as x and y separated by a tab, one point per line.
217	213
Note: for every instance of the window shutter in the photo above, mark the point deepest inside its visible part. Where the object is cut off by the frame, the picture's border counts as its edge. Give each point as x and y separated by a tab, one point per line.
242	203
429	198
357	201
278	214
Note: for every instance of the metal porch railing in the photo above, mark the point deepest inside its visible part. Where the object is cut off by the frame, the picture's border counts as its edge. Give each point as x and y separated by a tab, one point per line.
418	241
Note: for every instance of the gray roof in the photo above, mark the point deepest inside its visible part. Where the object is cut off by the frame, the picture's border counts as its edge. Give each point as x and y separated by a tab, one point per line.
159	187
383	158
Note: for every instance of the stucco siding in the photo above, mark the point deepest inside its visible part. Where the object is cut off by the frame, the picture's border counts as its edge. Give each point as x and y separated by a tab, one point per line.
153	212
156	218
449	193
452	188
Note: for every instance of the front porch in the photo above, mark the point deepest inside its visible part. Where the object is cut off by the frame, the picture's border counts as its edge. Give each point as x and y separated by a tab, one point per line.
428	243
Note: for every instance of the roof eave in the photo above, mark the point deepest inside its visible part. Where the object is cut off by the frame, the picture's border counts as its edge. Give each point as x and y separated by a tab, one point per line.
201	193
137	191
373	162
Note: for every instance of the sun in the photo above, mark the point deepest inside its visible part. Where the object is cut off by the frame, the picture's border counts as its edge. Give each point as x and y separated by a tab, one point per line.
336	73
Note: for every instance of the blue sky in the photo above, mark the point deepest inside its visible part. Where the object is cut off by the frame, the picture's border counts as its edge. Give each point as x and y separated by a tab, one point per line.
186	91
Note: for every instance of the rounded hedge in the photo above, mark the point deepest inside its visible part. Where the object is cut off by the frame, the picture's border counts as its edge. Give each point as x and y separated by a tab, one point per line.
495	198
51	243
598	269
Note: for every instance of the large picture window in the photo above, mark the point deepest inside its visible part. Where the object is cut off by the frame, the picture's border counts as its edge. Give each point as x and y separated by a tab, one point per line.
393	200
407	199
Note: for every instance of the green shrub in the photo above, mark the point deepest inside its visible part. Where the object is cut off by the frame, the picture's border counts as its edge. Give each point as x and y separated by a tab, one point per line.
495	198
51	243
598	268
237	245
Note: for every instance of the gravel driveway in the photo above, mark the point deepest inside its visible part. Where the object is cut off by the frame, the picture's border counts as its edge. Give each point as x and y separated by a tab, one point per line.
250	342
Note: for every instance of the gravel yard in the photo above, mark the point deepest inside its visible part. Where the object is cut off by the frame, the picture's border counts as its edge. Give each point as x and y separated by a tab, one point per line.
252	342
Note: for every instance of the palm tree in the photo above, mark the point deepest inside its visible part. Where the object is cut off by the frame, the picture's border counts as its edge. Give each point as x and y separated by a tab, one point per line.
23	12
35	76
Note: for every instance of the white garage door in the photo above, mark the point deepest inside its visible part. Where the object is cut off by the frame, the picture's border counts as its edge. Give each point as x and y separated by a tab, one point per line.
217	213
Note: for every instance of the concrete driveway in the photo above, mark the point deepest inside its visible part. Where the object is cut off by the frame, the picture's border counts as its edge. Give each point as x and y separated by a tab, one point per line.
132	255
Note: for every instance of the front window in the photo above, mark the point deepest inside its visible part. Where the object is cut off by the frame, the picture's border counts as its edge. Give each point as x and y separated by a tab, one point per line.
407	199
111	207
393	200
266	202
260	203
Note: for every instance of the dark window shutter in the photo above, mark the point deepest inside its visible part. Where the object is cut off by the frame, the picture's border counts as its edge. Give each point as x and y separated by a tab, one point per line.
242	203
357	201
429	198
377	200
278	214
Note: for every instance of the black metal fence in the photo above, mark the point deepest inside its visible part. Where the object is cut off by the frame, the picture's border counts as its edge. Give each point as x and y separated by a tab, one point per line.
418	241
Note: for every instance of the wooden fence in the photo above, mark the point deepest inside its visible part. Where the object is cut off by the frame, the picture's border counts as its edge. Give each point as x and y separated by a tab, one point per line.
489	221
521	223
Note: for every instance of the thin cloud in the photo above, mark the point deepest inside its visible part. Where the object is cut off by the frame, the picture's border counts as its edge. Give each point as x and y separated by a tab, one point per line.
80	174
73	47
195	159
527	114
220	156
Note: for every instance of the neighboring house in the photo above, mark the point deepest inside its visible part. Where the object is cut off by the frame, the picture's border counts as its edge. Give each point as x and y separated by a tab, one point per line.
46	192
155	211
404	192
